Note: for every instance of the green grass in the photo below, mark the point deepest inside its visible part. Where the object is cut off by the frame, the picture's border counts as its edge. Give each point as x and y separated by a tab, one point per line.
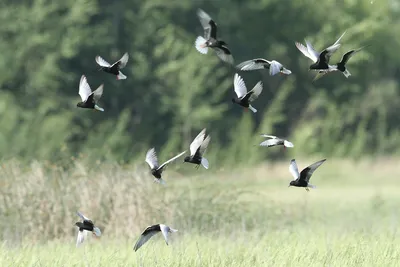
235	218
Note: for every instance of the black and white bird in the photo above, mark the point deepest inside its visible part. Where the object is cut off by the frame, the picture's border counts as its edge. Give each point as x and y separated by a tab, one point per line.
260	64
244	98
197	149
302	179
210	39
85	226
156	169
114	68
89	98
152	230
275	141
341	65
321	60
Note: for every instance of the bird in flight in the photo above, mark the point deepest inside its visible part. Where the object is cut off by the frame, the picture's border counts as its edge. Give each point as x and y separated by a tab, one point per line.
302	179
114	68
152	230
156	169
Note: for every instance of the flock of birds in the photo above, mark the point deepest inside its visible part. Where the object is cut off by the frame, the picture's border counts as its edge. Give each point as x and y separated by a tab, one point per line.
244	98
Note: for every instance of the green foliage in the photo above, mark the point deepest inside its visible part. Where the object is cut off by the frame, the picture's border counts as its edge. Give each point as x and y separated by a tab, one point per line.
172	91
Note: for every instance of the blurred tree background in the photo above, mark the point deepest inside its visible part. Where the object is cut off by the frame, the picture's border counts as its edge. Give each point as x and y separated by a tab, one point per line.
172	91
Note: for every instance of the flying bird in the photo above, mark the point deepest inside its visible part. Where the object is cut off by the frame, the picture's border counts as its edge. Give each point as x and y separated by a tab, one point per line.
244	98
321	60
85	226
303	179
156	169
89	98
275	141
260	63
210	39
152	230
197	149
341	65
114	68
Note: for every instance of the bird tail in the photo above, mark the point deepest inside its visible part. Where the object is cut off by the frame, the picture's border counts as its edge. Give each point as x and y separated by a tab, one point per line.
160	181
311	186
96	107
201	45
252	109
204	162
346	73
121	76
286	143
96	231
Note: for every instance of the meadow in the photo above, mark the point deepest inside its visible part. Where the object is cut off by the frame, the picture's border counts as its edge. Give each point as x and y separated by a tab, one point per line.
225	217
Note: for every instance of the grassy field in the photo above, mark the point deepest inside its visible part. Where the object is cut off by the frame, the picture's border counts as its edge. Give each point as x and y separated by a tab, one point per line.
246	217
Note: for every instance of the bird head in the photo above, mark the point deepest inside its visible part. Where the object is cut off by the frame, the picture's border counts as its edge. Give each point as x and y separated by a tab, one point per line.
80	104
292	183
234	100
186	159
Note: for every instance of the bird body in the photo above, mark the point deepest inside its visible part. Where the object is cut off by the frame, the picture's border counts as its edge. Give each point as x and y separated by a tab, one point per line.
210	39
156	169
197	149
85	226
114	68
260	63
89	98
244	98
302	179
151	231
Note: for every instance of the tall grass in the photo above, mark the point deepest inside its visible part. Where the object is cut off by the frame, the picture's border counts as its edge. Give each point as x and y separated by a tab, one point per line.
237	217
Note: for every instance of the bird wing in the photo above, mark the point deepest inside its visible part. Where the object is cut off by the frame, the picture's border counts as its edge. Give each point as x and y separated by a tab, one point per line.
272	142
123	61
319	75
338	40
305	52
164	231
146	235
256	91
204	145
83	217
239	86
307	172
209	26
349	54
197	142
293	169
81	237
254	64
224	54
171	160
332	49
151	158
311	50
102	62
268	136
84	89
98	93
